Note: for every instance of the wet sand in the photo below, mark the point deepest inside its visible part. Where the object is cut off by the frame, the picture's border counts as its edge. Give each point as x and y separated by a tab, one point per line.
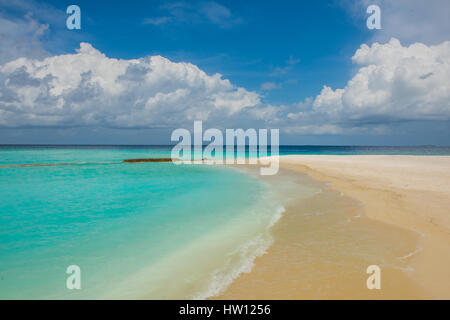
390	211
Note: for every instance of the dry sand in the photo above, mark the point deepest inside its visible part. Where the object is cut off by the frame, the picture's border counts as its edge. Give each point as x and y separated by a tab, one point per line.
322	245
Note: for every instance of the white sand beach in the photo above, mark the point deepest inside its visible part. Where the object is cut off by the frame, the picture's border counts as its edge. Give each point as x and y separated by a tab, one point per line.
404	227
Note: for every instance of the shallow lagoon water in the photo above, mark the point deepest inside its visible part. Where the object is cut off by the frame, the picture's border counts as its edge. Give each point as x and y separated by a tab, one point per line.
138	230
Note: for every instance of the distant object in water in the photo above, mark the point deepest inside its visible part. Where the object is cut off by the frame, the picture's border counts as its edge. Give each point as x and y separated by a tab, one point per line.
148	160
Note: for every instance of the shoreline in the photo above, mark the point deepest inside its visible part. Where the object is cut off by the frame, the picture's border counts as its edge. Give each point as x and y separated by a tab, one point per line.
404	201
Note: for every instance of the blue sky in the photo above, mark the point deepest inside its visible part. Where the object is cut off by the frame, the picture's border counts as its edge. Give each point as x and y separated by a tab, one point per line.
295	44
282	53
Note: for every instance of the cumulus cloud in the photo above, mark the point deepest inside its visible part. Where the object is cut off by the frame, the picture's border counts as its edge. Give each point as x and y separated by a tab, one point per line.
393	83
89	89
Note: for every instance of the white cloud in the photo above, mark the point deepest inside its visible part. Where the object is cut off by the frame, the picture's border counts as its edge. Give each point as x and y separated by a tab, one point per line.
21	37
157	20
281	71
393	83
195	13
218	14
28	28
267	86
88	88
409	21
292	60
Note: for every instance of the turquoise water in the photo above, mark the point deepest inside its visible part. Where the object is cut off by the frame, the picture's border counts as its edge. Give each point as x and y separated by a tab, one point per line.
143	230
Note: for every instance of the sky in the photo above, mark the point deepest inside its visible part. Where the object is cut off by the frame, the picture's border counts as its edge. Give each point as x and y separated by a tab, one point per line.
137	70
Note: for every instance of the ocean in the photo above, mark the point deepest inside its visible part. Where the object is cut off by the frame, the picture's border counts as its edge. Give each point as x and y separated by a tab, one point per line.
140	230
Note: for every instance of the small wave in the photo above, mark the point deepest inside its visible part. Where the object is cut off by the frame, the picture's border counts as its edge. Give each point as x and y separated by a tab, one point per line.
418	249
245	255
225	275
408	269
278	214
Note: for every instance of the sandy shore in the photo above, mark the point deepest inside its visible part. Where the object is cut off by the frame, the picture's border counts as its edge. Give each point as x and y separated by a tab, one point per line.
323	245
